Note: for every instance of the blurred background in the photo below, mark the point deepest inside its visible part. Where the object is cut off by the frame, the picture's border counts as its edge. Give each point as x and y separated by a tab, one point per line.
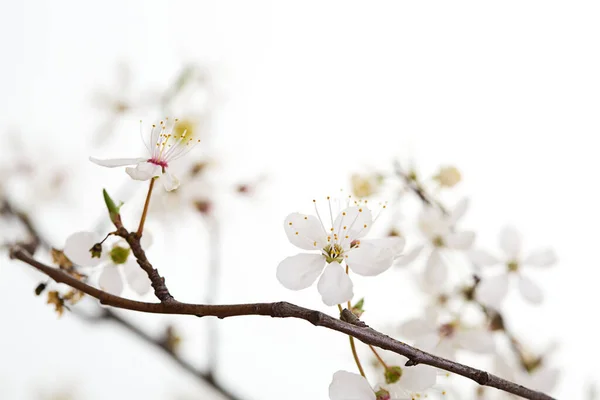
290	100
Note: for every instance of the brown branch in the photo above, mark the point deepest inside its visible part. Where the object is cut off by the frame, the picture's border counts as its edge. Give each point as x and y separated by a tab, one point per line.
286	310
158	282
36	239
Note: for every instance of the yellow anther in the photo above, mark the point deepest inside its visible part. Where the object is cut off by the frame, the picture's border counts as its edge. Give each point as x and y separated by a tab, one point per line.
360	210
305	217
365	225
290	224
296	233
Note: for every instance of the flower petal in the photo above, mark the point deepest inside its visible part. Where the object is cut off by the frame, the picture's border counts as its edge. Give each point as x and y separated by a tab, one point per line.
460	240
476	340
349	386
305	231
300	271
510	242
482	258
417	378
110	280
77	248
409	257
169	181
541	258
136	277
492	291
143	171
354	222
530	290
544	379
416	327
436	270
117	162
458	211
370	258
335	285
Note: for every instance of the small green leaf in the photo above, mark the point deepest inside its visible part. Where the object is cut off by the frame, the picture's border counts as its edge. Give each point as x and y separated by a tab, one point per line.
113	209
357	309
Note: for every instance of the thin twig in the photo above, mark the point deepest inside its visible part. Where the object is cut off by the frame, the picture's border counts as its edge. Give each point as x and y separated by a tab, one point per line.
286	310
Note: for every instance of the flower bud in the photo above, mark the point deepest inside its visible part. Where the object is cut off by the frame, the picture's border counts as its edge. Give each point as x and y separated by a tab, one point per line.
448	177
382	394
393	374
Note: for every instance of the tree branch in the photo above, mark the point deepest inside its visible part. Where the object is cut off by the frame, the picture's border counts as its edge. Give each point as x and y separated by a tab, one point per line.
36	239
286	310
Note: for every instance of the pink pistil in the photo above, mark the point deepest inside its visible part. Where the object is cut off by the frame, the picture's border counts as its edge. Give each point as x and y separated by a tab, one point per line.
160	163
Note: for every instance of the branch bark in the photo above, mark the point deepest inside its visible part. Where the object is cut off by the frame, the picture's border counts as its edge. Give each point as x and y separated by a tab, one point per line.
365	334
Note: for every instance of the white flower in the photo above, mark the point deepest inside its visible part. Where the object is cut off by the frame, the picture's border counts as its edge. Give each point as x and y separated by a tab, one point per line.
542	378
166	145
114	262
340	243
440	230
446	338
492	291
349	386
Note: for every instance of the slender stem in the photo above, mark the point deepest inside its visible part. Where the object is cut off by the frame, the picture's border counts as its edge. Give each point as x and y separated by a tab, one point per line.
379	357
146	204
355	355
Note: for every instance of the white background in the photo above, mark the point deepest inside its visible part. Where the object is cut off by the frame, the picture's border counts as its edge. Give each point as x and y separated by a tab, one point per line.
309	92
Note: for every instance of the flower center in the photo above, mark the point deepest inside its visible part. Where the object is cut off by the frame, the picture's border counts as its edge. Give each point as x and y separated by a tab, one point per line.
333	253
512	266
119	254
446	330
159	162
438	241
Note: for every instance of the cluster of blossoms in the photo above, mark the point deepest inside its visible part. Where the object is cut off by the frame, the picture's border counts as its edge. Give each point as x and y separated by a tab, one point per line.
336	247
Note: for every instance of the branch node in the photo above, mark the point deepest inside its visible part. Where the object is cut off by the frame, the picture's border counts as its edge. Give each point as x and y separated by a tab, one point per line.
348	316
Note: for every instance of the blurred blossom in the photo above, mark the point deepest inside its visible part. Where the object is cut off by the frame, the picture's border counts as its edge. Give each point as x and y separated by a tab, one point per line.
448	177
341	242
441	235
115	262
446	338
542	378
366	185
492	290
350	386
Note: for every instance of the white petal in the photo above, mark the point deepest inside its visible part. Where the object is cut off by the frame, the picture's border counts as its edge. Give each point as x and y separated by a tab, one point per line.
354	222
300	271
436	270
492	291
476	340
416	327
117	162
433	223
77	248
541	258
417	378
510	242
460	240
348	386
409	257
169	181
544	379
370	258
335	285
458	211
110	280
394	243
136	277
143	171
482	258
305	231
530	290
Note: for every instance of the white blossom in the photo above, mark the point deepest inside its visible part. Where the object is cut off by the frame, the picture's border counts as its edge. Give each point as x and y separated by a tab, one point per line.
350	386
439	229
445	339
491	291
341	242
115	262
166	144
